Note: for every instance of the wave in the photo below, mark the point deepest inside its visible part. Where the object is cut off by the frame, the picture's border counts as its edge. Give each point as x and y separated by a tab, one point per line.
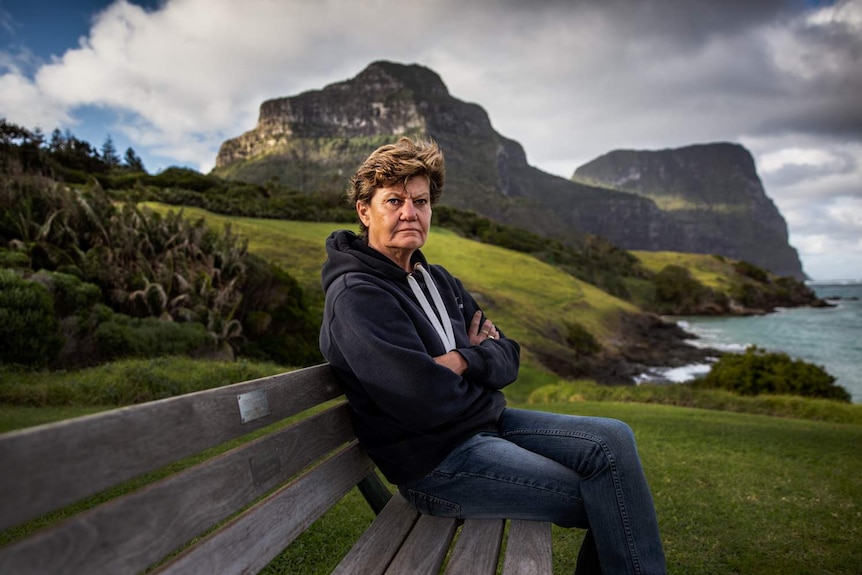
847	282
673	374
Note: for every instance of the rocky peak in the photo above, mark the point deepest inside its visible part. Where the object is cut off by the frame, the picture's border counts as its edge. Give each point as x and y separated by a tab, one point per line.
712	192
678	200
385	99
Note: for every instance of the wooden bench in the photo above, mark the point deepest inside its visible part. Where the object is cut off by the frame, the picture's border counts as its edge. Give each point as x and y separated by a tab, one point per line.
235	510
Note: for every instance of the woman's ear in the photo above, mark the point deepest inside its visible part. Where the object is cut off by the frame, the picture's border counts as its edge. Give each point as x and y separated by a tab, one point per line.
362	211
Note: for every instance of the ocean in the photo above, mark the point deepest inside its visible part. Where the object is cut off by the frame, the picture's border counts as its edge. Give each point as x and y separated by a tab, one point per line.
828	337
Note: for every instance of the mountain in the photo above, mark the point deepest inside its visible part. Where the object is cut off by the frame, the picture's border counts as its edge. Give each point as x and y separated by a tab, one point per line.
315	140
714	195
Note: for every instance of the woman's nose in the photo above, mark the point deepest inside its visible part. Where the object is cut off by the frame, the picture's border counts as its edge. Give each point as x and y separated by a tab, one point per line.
408	211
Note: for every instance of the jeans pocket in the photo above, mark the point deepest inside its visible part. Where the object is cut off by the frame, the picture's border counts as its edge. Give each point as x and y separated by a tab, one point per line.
431	505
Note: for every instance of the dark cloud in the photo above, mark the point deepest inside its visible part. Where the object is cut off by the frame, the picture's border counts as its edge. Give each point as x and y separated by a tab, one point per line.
568	79
793	174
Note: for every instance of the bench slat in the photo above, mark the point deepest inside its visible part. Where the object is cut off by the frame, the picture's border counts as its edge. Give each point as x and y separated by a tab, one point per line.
54	463
478	548
375	549
425	548
251	540
130	533
528	548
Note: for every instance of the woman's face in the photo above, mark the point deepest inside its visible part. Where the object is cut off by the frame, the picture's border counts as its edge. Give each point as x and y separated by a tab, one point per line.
398	218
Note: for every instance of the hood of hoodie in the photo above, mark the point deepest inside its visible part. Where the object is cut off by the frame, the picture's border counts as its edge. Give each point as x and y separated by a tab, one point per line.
347	252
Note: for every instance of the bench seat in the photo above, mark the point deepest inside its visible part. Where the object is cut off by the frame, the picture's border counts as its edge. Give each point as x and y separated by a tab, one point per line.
220	482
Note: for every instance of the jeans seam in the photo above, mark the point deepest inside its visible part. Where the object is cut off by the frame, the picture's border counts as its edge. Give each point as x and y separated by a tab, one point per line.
520	483
621	507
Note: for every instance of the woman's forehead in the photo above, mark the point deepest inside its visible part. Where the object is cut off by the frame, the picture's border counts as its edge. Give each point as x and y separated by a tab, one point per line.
415	186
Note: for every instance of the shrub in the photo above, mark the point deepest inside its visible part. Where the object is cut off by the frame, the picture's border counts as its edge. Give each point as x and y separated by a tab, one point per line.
677	292
28	325
757	371
122	336
70	294
750	270
581	340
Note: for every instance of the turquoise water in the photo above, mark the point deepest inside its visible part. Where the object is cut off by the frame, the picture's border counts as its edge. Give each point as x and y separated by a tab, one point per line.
830	337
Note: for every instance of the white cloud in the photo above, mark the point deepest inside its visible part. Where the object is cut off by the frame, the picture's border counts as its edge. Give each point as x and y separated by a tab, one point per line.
568	80
23	103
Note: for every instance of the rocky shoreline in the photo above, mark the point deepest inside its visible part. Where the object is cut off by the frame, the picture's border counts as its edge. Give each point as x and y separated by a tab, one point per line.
655	344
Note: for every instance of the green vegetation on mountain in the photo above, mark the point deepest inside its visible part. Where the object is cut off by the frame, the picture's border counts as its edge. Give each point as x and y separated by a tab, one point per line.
129	278
703	199
712	195
734	492
696	284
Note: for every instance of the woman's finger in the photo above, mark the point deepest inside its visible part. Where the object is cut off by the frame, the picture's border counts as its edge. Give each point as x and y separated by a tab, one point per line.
474	324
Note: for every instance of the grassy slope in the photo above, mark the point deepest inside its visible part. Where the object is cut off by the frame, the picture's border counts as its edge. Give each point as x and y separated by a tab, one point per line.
735	493
709	270
531	301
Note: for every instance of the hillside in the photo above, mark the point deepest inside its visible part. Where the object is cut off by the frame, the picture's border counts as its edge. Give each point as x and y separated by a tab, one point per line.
88	276
557	318
312	140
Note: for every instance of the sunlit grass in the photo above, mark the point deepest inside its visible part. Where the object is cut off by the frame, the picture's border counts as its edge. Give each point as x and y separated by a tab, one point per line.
531	301
709	270
734	492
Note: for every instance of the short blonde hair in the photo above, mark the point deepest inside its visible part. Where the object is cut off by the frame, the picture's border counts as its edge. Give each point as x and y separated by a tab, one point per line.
398	162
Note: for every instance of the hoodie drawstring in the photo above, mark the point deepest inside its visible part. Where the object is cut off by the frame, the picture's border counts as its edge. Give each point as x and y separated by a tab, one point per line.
447	336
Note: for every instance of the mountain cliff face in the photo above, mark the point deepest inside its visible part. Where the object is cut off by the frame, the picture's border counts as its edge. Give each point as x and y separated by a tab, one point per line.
314	141
714	196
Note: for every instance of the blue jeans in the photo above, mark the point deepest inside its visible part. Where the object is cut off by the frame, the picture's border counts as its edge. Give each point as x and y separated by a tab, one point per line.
574	471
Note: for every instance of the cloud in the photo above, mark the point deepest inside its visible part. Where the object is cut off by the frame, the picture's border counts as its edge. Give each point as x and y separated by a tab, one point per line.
568	80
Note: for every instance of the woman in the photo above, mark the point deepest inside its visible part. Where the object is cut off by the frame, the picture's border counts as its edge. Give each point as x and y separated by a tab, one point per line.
423	369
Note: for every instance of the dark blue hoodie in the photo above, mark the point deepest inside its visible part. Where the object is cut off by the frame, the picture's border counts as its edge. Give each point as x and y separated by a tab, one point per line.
408	411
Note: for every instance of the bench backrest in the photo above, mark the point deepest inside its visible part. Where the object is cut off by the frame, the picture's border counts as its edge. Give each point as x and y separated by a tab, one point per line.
260	493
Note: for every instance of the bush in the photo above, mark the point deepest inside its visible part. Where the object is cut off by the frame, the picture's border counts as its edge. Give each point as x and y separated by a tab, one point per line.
757	371
28	325
581	340
123	336
677	292
70	294
749	270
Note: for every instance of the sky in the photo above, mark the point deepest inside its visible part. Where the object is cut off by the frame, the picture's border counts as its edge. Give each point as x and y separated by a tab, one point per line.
569	80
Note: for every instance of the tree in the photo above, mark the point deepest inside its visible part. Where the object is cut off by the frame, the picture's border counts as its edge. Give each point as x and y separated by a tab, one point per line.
133	161
109	153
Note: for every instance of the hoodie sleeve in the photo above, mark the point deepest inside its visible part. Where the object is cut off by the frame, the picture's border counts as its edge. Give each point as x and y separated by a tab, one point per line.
493	363
377	341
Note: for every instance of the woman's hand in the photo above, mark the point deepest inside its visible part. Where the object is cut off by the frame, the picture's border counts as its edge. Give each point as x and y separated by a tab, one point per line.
479	331
454	361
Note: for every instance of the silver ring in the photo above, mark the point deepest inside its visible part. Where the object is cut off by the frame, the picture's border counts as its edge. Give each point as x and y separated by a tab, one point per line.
491	336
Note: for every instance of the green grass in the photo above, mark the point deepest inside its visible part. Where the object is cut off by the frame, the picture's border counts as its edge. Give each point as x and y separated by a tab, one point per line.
735	492
709	270
687	395
124	382
532	302
14	417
